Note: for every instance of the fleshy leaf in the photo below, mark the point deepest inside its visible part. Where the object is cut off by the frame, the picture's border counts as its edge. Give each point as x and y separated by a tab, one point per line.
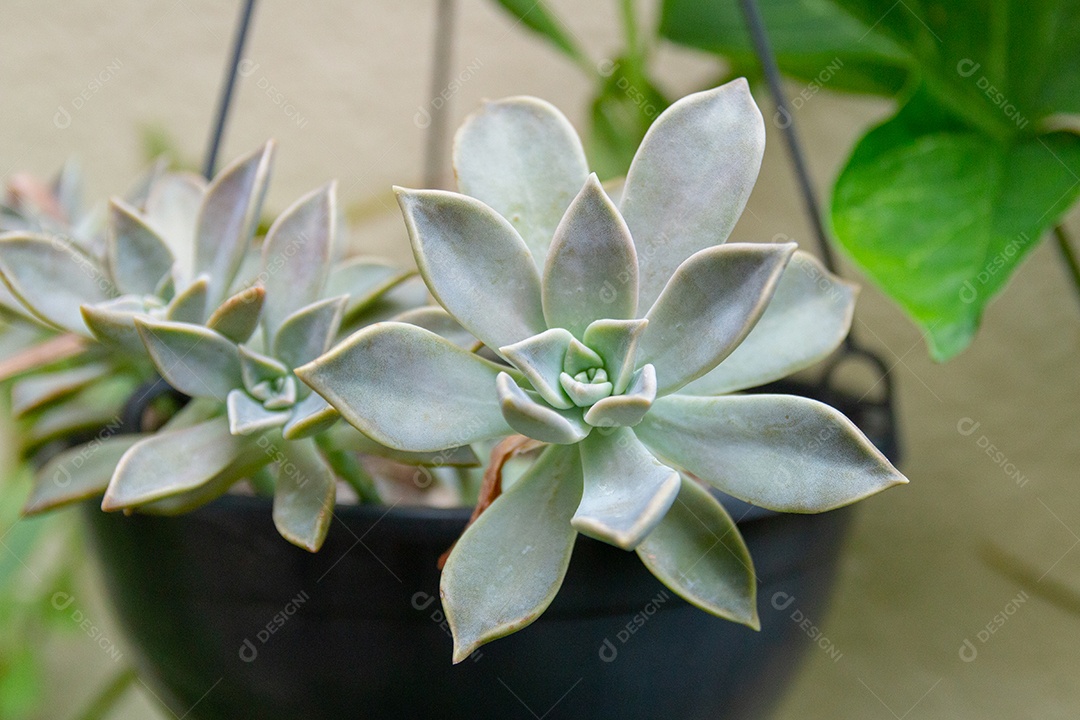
172	462
375	377
113	323
309	332
690	180
227	220
584	394
615	341
257	369
698	553
296	256
238	317
442	323
248	416
192	303
252	459
304	496
627	490
629	408
711	303
310	416
172	209
364	280
540	360
34	391
77	474
507	567
536	419
53	278
591	271
782	452
138	259
475	264
808	317
195	360
346	437
521	157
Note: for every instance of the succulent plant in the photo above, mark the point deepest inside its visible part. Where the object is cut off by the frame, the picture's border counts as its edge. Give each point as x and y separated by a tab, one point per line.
251	418
621	334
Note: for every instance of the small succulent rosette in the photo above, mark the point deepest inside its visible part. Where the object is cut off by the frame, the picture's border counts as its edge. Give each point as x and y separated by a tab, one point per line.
228	340
621	331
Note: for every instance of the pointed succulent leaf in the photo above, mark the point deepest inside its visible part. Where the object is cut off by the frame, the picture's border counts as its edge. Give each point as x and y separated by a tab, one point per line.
808	317
627	490
251	460
345	437
698	553
304	495
507	567
35	391
113	323
192	303
309	332
782	452
629	408
522	157
376	377
690	180
406	295
256	368
534	418
172	462
195	360
615	341
296	255
248	416
76	474
137	257
708	307
364	280
475	264
442	323
172	209
310	416
579	357
53	278
227	220
238	317
540	359
95	406
591	271
584	393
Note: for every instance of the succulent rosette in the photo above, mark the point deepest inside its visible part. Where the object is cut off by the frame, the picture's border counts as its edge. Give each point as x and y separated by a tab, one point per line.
622	333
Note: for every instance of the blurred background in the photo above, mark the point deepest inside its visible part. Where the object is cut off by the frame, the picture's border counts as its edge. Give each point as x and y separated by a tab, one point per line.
959	594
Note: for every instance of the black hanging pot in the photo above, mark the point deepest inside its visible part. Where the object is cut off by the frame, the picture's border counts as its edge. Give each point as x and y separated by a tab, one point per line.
230	622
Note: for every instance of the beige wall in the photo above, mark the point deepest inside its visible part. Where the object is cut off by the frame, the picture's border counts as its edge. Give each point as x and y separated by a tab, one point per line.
913	584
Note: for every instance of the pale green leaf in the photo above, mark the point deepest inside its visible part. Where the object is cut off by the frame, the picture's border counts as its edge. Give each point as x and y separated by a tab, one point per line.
227	220
523	158
475	264
698	553
534	418
627	490
782	452
296	256
76	474
591	271
507	567
195	360
376	376
304	496
710	304
690	179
